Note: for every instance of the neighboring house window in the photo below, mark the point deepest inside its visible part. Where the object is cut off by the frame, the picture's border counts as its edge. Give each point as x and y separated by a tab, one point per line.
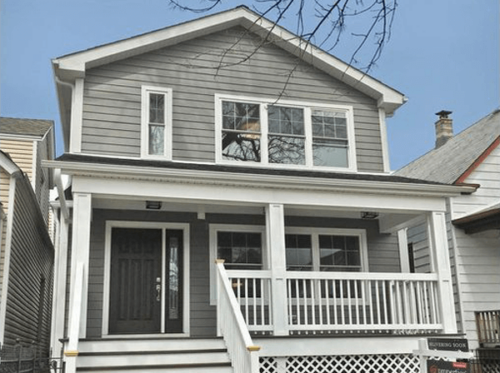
156	123
255	132
326	250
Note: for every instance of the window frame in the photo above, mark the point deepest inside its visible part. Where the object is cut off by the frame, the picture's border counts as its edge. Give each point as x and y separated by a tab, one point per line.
213	232
167	141
308	108
315	250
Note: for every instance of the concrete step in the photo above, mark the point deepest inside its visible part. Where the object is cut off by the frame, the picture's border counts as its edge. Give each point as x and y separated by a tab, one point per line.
153	355
147	358
148	344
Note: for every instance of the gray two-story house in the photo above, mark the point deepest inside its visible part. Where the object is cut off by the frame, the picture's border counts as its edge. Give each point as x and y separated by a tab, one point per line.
231	209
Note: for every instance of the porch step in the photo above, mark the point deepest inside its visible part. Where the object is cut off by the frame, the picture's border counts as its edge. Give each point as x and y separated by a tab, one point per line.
153	355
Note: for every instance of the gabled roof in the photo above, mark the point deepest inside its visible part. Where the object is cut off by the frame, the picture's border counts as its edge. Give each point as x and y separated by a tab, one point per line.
74	65
456	159
25	127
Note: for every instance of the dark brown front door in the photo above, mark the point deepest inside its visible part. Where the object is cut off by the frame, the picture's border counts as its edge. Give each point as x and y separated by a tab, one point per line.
140	288
136	257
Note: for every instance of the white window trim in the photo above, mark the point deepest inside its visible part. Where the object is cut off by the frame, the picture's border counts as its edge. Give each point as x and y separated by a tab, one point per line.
213	230
308	107
107	272
167	151
315	232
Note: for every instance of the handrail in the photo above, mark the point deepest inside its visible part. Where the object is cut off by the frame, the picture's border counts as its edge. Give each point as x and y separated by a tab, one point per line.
71	351
231	324
341	301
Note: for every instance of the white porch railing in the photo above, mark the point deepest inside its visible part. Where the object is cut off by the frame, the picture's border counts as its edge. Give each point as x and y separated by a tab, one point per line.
341	301
231	325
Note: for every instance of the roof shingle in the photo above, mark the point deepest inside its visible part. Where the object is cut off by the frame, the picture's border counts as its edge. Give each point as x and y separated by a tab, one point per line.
447	163
25	127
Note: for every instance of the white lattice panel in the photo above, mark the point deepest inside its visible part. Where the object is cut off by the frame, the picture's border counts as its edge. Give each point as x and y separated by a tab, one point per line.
341	364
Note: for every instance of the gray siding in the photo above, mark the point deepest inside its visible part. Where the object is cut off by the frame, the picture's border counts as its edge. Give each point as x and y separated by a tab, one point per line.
31	264
112	93
382	249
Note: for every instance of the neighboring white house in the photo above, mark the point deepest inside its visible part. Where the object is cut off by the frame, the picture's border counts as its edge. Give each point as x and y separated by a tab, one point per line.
471	157
197	143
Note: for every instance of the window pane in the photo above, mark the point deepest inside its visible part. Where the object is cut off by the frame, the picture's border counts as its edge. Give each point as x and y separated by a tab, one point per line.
330	154
156	139
240	249
286	120
298	252
241	131
286	149
156	108
240	147
339	253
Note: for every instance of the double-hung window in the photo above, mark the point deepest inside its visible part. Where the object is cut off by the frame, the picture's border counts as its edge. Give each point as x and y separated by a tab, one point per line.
156	122
284	134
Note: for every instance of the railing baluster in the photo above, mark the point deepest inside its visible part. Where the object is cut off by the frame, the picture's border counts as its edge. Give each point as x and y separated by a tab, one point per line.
327	301
342	310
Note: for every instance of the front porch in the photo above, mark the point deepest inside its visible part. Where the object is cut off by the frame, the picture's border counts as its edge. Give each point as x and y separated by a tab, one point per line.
320	260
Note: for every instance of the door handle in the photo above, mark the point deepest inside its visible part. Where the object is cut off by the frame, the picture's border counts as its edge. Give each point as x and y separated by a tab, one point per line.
158	292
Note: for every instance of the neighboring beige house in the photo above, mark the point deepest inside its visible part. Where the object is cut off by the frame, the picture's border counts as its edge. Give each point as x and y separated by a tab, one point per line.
229	138
471	157
26	261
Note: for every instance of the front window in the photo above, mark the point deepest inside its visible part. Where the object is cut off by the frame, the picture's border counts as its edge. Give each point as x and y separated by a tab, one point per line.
240	250
325	250
156	122
291	133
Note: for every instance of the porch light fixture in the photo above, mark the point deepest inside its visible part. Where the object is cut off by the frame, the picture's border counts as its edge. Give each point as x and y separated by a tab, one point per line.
369	215
153	205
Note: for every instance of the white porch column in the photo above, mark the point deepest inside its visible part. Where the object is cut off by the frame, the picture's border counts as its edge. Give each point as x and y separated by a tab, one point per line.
275	232
439	247
59	292
80	249
404	259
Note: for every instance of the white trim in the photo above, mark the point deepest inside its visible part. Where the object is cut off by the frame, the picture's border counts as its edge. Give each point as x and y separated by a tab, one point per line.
308	107
107	271
261	180
34	168
213	229
315	232
167	141
7	252
75	145
384	140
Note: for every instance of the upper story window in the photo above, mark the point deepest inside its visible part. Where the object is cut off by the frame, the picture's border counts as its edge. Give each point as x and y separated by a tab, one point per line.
156	122
289	134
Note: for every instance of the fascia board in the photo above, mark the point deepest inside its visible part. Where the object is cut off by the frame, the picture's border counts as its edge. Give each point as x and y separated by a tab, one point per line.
76	64
258	181
8	165
81	61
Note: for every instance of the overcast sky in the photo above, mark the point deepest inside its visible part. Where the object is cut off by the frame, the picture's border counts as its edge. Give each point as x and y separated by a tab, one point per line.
443	54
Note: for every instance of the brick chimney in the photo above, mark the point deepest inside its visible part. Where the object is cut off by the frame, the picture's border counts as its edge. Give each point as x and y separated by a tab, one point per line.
444	128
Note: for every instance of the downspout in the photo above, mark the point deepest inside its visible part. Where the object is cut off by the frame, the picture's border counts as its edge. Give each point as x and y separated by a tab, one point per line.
8	245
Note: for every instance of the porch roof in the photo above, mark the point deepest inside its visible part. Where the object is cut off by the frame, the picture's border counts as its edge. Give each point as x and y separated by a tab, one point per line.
166	165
